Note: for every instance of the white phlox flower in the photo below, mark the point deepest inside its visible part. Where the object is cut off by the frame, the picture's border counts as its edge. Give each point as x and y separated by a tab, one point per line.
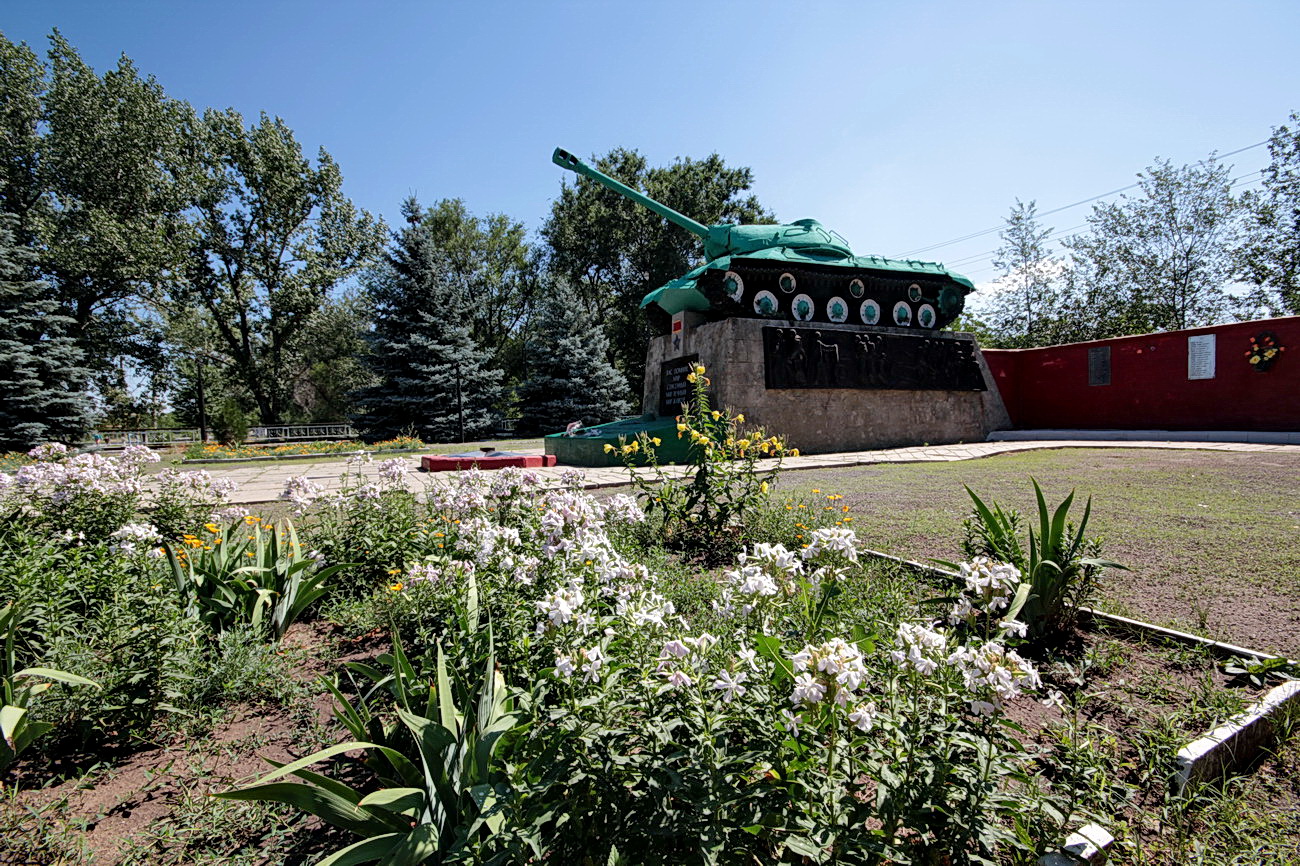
837	667
863	716
920	648
834	540
730	684
991	584
564	667
992	667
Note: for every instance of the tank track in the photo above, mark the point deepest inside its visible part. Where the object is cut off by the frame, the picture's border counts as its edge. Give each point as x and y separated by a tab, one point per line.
759	289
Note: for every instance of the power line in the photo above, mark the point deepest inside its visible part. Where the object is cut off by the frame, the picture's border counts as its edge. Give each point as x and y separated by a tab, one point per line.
1248	177
999	228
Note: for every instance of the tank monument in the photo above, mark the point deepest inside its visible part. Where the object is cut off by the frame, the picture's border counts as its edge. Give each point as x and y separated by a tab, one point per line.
835	351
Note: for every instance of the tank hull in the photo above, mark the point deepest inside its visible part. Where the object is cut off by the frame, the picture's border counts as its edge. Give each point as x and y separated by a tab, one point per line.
755	288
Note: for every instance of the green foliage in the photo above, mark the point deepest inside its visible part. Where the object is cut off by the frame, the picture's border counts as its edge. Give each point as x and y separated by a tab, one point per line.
249	573
439	798
18	688
570	377
615	251
489	258
274	235
706	511
230	423
1028	308
1060	563
1270	258
41	373
1159	260
433	379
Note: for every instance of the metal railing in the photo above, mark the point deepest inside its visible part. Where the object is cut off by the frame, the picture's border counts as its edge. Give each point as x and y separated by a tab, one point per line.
186	435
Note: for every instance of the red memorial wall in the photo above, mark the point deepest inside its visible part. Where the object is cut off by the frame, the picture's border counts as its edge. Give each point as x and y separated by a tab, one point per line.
1198	379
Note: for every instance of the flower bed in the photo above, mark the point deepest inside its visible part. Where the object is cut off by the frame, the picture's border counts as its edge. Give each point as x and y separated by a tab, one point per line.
560	687
200	451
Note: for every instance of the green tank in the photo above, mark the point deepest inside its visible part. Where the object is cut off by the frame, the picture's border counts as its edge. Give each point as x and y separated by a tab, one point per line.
798	271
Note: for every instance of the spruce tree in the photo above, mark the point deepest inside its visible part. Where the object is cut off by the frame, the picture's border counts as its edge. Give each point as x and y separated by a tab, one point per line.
570	377
432	376
42	382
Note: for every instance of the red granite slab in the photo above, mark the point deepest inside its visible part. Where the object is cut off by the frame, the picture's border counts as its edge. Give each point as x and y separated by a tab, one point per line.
449	463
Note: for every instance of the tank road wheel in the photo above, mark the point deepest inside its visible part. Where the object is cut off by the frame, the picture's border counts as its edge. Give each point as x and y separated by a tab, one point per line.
902	314
914	292
803	308
869	312
766	305
925	316
787	282
951	301
856	288
837	310
733	285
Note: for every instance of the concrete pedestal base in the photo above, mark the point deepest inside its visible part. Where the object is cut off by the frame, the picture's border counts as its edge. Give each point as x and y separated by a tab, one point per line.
819	420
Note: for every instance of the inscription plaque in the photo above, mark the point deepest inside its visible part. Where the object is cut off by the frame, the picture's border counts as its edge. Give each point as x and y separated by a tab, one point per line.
1099	365
813	358
674	390
1200	357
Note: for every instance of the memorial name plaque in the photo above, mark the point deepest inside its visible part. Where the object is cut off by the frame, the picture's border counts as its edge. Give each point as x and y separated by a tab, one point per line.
674	390
1099	365
812	358
1200	357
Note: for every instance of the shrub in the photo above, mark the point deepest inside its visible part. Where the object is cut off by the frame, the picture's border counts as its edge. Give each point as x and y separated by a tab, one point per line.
1060	563
707	512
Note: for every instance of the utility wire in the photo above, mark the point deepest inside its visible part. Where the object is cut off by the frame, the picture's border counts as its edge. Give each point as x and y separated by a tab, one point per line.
999	228
1248	177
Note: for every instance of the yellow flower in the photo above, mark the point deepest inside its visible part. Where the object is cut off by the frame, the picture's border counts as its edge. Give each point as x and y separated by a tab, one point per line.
681	428
608	448
699	369
657	441
690	377
393	570
762	488
740	419
794	452
716	414
211	527
395	587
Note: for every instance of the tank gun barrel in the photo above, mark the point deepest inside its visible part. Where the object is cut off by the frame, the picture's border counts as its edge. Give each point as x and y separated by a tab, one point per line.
564	159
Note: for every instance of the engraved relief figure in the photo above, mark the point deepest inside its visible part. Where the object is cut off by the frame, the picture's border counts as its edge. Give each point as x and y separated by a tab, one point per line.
827	361
796	361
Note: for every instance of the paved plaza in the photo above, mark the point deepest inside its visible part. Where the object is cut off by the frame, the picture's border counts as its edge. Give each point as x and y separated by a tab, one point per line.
264	481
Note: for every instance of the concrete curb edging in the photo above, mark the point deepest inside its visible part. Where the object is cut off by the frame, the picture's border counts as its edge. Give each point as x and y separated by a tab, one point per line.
1237	742
198	461
1089	844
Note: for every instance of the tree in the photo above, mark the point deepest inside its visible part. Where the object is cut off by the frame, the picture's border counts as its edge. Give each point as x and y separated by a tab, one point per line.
490	258
275	237
42	380
615	251
116	171
433	380
1020	312
1271	256
1159	260
570	377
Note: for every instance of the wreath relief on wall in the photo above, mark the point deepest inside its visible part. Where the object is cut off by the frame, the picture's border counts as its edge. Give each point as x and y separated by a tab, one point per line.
1264	350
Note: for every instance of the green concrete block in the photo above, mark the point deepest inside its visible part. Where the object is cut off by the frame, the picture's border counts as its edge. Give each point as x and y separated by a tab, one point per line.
588	447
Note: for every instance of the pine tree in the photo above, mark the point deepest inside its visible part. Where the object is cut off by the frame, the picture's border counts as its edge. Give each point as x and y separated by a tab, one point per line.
432	377
42	382
570	377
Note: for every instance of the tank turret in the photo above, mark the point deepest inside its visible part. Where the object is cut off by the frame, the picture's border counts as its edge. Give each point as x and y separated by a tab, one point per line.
800	271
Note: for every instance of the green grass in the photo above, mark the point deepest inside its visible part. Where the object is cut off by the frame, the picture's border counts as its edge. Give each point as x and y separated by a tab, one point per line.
439	448
1212	538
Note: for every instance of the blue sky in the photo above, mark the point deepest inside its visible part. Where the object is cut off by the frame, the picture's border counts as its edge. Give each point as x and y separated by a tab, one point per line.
901	125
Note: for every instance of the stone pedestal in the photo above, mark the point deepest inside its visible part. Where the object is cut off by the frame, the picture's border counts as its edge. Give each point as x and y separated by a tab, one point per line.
858	411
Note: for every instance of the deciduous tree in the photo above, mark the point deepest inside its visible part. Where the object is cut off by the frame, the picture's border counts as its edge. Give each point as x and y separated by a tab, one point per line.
275	236
1161	259
1271	256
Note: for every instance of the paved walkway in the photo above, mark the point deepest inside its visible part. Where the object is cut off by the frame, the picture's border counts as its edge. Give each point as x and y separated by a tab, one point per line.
263	482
